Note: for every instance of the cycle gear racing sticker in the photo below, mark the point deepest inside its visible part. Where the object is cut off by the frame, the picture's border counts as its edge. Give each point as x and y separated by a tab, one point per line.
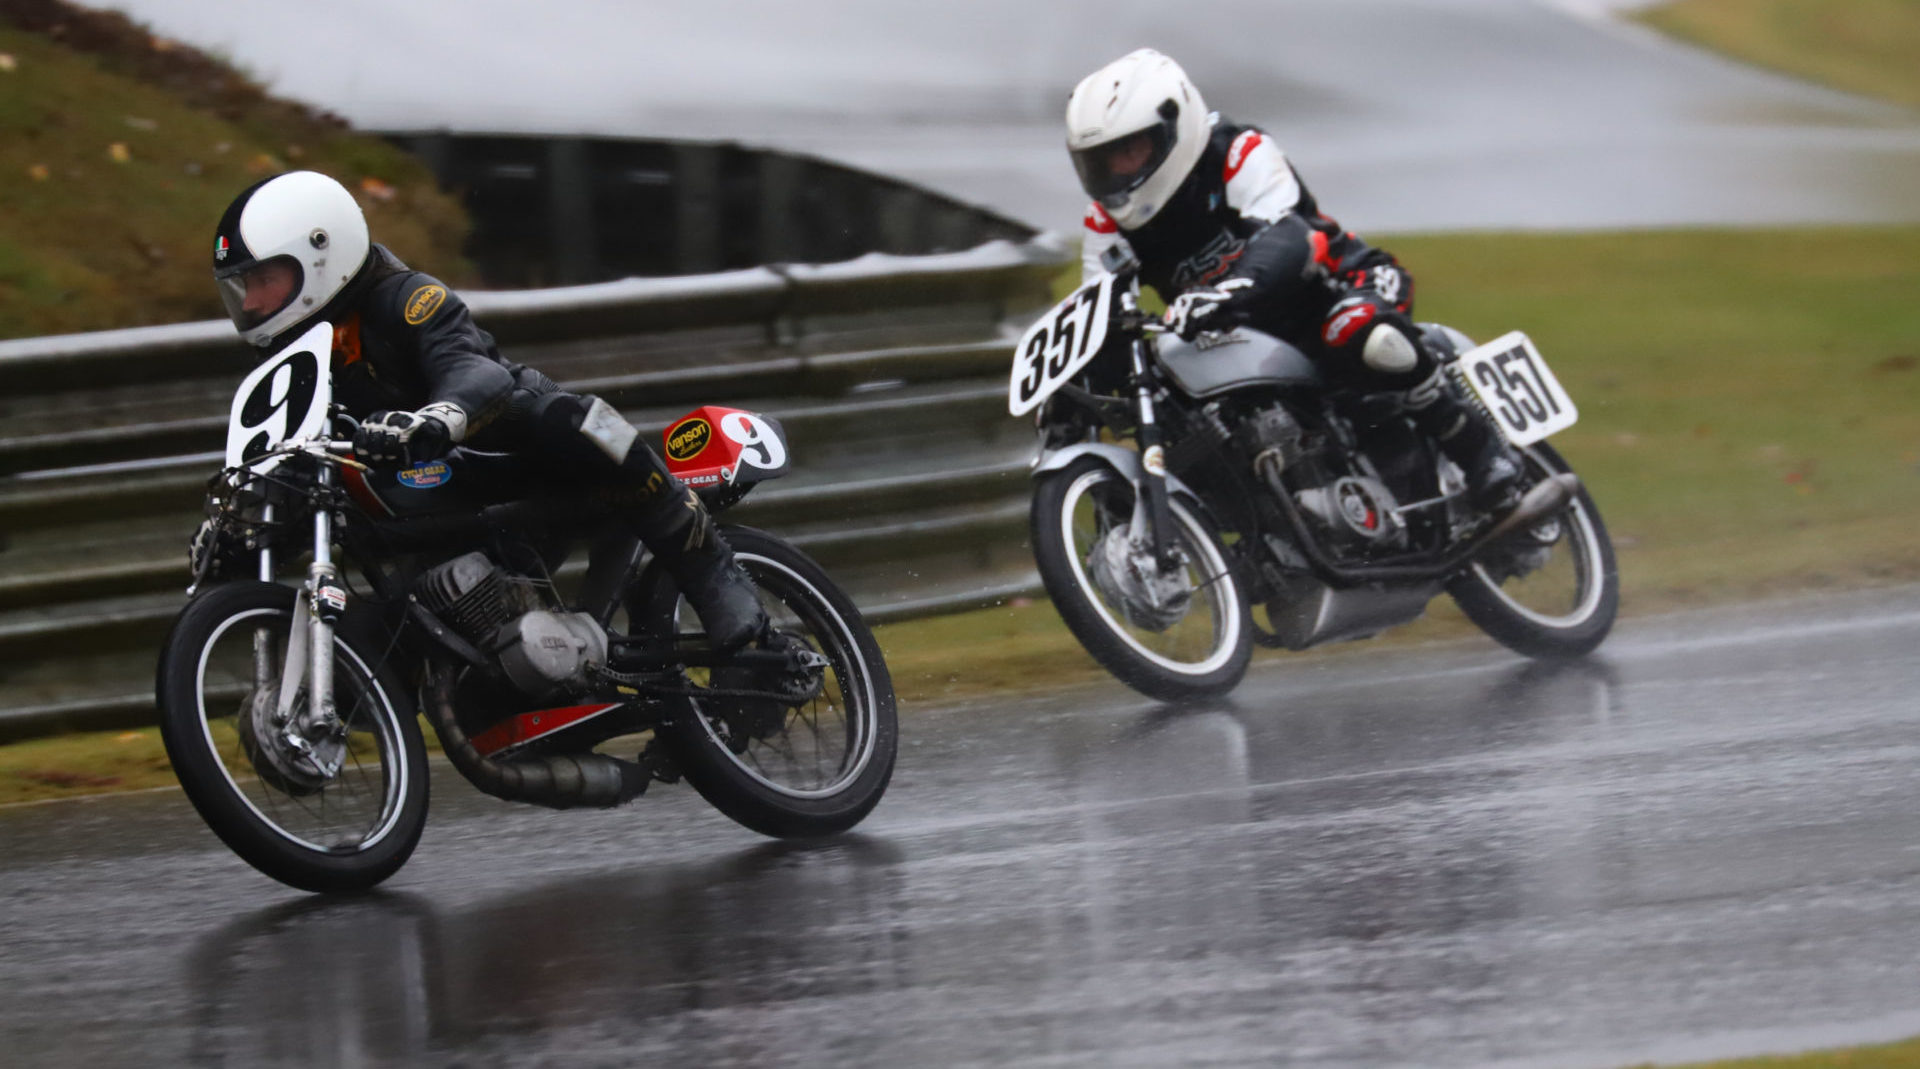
426	476
423	302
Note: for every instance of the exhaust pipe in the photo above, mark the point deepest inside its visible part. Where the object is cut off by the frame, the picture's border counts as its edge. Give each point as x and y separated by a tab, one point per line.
1547	497
559	781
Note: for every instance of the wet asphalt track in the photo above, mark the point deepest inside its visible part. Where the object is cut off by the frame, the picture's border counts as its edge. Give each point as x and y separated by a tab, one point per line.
1703	841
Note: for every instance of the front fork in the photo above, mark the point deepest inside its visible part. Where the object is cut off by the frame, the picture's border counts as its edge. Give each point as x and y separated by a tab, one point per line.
1152	522
309	652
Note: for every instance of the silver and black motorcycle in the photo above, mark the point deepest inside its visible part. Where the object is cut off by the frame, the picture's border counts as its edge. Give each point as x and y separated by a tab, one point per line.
1180	484
290	712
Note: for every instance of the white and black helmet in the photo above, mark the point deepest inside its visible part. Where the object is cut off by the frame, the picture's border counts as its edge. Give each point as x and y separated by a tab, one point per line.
302	220
1135	128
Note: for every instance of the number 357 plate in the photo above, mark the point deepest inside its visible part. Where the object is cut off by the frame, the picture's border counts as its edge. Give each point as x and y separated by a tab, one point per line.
1519	389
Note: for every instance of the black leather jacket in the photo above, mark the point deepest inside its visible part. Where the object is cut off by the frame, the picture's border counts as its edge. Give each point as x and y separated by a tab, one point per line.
408	340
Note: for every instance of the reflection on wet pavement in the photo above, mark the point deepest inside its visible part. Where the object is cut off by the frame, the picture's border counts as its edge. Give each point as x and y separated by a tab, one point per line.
1699	842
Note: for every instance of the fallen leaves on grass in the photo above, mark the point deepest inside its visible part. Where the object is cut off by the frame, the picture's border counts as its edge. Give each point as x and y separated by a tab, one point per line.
118	153
8	63
375	188
39	173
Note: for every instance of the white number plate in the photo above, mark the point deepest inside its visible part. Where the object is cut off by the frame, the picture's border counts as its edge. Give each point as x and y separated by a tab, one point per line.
284	398
1059	344
1519	389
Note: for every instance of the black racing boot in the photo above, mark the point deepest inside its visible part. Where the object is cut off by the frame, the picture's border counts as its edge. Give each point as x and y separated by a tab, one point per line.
682	534
1468	437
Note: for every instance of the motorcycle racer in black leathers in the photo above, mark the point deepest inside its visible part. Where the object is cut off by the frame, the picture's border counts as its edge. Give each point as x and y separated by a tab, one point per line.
410	363
1227	233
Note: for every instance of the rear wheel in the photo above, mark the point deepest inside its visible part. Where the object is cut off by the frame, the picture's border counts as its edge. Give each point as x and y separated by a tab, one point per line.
218	681
811	764
1552	590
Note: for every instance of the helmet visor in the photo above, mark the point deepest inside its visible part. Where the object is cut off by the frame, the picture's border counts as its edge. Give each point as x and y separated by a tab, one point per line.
1112	169
256	292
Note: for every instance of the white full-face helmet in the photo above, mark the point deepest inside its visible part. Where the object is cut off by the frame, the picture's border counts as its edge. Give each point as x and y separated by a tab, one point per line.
285	248
1135	128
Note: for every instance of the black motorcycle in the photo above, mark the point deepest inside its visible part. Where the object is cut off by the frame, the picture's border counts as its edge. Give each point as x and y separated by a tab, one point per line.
291	713
1179	484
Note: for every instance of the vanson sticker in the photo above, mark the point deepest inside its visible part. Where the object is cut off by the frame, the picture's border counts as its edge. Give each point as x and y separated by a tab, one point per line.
689	439
423	302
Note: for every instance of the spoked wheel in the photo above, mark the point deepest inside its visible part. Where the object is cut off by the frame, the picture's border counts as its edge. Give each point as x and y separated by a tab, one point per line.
342	815
816	760
1170	633
1550	591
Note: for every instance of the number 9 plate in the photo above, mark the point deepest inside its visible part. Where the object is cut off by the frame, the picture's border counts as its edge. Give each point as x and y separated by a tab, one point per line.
1519	389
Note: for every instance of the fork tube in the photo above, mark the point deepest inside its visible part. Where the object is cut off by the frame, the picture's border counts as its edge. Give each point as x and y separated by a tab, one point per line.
266	555
321	580
1153	460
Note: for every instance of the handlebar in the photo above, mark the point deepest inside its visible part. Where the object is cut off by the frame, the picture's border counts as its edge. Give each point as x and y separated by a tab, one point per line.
340	449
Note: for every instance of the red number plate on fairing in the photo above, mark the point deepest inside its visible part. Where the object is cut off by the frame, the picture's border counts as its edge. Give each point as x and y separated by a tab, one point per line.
714	446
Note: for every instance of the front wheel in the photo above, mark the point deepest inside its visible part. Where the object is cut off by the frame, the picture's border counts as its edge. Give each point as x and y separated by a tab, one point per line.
1169	633
816	762
1553	590
218	684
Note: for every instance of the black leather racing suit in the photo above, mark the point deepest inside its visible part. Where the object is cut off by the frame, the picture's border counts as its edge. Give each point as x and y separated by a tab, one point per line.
406	341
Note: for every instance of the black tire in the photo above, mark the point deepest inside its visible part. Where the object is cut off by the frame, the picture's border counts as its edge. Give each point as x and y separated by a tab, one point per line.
1225	636
857	696
1549	624
379	797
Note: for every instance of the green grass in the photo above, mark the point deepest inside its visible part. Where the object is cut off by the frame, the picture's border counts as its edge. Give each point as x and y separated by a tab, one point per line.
1871	47
1902	1055
111	183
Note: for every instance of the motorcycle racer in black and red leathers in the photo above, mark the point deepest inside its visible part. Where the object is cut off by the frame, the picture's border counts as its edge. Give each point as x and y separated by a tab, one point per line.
410	363
1227	233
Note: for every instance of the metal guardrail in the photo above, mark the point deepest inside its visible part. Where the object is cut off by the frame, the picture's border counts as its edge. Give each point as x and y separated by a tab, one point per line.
888	372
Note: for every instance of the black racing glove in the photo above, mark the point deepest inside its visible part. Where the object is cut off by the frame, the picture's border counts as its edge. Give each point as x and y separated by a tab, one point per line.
1221	307
215	552
401	438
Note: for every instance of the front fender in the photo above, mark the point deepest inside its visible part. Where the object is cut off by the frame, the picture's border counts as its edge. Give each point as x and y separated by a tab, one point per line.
1124	461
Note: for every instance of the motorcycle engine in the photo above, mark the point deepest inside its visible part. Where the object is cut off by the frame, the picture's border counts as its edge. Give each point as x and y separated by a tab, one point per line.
542	652
1356	512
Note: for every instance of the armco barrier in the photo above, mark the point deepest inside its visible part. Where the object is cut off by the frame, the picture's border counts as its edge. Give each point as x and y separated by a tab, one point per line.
889	374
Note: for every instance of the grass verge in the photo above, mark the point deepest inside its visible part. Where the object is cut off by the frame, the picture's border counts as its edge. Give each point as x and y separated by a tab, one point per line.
1862	46
1750	426
118	152
1901	1055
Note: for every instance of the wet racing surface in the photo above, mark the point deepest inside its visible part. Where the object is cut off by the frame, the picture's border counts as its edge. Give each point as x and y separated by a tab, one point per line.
1401	114
1702	842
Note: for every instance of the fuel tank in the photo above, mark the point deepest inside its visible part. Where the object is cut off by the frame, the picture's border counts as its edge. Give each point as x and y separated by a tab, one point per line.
1234	360
460	483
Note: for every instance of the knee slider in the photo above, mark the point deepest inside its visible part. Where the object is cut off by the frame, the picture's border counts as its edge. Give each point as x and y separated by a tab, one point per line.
1388	350
576	420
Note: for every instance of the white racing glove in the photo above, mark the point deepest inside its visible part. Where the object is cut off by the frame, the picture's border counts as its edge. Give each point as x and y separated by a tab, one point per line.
1206	309
409	437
